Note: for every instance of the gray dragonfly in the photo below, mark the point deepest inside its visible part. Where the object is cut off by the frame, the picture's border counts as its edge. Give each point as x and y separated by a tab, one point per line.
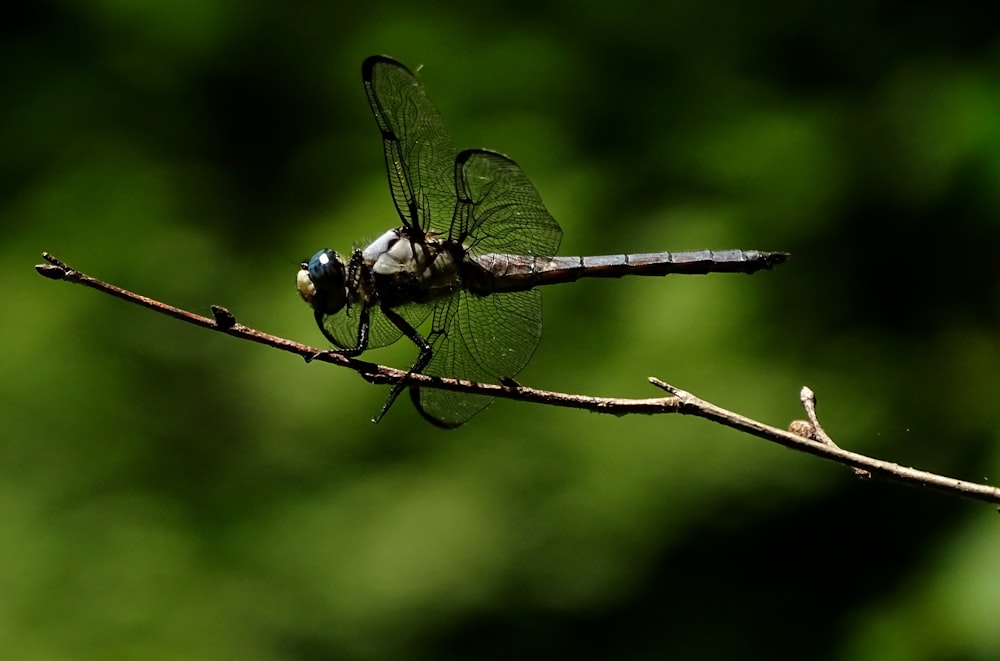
474	245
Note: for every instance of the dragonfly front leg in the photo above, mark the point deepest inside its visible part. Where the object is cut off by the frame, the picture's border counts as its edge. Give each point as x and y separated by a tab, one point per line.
355	272
361	344
423	358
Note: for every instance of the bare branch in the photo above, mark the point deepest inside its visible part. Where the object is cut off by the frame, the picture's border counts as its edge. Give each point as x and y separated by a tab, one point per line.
803	436
864	466
816	432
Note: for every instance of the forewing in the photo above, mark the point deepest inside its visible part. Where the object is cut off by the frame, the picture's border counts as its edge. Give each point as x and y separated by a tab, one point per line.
478	338
499	210
419	155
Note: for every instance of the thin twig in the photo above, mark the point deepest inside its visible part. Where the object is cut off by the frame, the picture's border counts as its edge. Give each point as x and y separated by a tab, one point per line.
808	437
808	399
692	405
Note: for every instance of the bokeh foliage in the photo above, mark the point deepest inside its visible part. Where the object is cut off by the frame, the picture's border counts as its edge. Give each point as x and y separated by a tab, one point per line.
171	493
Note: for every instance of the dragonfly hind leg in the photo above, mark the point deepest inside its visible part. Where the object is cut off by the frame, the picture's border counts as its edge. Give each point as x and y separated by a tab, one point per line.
423	358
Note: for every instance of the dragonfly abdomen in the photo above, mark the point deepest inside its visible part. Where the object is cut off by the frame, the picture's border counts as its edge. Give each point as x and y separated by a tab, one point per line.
517	272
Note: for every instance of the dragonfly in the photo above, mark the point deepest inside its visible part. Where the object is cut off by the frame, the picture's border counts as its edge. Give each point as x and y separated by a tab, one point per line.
474	244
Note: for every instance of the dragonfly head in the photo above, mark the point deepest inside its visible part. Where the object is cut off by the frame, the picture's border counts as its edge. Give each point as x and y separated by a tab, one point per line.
322	282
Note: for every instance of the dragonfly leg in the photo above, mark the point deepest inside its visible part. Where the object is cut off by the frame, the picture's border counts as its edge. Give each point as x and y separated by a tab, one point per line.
354	275
423	358
362	340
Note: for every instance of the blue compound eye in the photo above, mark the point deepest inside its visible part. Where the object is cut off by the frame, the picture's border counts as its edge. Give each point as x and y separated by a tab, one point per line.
322	282
326	268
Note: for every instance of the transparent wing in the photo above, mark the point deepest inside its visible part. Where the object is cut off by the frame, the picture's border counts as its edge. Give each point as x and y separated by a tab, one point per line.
419	155
342	327
479	338
499	208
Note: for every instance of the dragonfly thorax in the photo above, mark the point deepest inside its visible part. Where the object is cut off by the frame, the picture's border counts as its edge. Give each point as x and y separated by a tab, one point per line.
411	269
322	282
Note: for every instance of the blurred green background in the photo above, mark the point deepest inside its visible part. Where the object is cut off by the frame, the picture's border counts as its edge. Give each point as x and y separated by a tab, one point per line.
168	493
